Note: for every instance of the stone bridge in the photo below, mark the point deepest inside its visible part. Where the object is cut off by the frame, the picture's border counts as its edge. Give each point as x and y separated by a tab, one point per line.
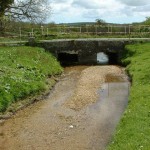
85	51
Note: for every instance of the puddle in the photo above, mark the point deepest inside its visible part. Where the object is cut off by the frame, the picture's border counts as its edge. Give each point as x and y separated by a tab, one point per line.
106	112
115	78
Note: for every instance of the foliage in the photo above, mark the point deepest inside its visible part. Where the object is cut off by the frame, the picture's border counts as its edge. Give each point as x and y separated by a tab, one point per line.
100	22
23	72
23	10
33	10
147	21
4	5
134	129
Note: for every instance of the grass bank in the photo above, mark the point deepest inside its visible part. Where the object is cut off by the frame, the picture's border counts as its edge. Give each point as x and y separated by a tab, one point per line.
133	132
24	72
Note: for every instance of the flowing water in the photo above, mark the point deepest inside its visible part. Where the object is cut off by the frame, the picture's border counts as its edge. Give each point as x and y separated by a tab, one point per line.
49	125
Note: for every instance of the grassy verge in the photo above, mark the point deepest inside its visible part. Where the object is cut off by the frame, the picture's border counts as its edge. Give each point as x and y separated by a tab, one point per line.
86	35
133	132
72	35
24	72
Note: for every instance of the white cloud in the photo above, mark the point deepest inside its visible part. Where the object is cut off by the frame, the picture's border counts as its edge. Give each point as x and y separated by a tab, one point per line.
142	9
87	4
119	11
60	6
95	4
135	2
59	1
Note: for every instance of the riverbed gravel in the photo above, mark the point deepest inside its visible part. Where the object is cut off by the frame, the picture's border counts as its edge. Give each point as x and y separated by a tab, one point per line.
90	80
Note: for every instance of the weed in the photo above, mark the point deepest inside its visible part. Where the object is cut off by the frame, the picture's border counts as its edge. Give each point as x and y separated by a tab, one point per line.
23	72
134	128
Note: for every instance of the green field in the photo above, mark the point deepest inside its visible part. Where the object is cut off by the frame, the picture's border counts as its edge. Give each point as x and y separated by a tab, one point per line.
23	72
133	132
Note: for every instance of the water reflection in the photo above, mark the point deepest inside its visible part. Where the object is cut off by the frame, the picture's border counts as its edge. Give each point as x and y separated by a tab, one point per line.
102	58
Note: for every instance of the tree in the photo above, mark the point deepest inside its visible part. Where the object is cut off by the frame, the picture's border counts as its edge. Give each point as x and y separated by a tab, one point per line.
33	10
147	21
4	5
100	22
23	10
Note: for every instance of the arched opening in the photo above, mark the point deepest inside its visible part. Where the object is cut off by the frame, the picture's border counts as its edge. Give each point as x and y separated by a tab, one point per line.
67	58
102	58
113	58
107	58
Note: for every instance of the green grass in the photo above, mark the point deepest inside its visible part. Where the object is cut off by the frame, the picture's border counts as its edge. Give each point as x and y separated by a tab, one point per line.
72	35
85	35
23	72
133	132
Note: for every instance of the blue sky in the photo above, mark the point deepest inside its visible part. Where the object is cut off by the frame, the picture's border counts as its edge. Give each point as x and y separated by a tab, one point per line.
113	11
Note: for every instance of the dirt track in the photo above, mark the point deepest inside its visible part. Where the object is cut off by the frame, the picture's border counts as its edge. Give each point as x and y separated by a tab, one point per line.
77	115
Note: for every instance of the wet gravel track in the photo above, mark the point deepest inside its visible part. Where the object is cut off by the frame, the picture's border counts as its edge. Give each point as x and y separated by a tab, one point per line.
50	125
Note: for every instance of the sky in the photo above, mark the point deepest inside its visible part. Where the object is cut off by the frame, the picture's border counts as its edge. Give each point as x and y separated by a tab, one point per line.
112	11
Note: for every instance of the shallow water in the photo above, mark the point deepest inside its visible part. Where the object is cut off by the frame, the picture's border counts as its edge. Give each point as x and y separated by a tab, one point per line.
49	125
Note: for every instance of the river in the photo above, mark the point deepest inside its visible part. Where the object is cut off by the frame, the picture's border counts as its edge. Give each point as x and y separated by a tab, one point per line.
52	125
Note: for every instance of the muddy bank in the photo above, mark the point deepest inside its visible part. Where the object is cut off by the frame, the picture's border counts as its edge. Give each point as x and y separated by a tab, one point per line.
53	125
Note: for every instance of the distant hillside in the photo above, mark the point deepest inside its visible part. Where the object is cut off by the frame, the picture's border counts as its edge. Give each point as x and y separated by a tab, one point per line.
78	23
87	23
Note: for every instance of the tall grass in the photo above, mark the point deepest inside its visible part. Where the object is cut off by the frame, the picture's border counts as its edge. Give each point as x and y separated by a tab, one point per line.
133	132
23	72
